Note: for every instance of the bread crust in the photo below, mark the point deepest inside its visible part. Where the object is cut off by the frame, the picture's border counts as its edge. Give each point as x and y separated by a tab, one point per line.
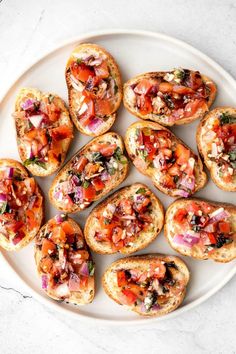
223	255
4	243
143	239
110	286
64	119
115	180
77	297
201	176
90	48
211	165
154	117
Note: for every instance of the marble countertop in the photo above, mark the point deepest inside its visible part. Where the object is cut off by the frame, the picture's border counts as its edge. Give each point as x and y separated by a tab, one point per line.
29	29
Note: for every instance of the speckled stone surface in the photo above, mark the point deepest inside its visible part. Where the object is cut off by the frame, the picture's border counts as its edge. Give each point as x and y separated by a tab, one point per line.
28	30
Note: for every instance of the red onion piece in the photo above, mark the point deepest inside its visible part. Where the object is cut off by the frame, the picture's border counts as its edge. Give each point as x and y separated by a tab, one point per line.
84	269
188	182
181	193
186	240
17	239
44	282
36	120
105	176
3	198
156	307
74	282
143	307
28	104
217	215
78	196
60	218
95	124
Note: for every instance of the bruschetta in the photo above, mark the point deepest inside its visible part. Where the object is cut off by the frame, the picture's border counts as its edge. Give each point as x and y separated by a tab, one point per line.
94	88
21	206
168	98
216	140
151	285
202	229
172	166
44	130
64	262
92	172
125	222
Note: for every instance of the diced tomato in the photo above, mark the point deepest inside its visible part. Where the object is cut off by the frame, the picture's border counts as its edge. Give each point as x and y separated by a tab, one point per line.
16	226
105	149
193	207
180	215
30	219
118	245
46	264
224	227
212	238
158	270
102	70
165	87
143	87
174	170
168	181
20	235
62	132
86	117
48	247
31	134
192	107
121	278
53	155
144	104
82	72
84	255
42	137
151	150
182	90
126	206
103	107
81	163
58	235
227	178
67	228
89	193
130	296
117	234
98	184
194	80
182	154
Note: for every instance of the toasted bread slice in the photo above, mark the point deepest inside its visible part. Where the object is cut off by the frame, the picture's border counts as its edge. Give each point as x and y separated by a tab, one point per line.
21	204
214	241
94	88
141	224
98	167
60	247
217	146
157	95
138	153
166	301
44	130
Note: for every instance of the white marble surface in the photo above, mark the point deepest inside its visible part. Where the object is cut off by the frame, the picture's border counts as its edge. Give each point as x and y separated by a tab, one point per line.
27	30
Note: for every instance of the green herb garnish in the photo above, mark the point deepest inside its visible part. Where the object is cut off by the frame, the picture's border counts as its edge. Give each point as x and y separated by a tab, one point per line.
50	98
86	184
111	171
79	60
141	191
118	155
226	118
3	208
179	74
91	268
107	221
96	156
36	161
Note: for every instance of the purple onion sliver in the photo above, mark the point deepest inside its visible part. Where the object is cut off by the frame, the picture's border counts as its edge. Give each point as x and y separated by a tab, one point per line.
156	307
3	198
143	308
60	218
28	104
84	269
104	176
95	124
44	282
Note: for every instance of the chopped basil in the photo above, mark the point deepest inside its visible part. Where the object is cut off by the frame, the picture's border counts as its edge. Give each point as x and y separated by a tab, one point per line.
143	154
226	118
50	98
111	171
79	60
150	300
36	161
118	155
179	74
3	208
91	268
107	221
115	89
96	156
141	191
86	184
169	101
147	131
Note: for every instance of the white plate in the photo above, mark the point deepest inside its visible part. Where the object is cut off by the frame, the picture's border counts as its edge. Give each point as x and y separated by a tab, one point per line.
136	52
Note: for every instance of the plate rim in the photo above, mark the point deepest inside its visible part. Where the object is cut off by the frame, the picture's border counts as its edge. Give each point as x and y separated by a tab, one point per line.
87	36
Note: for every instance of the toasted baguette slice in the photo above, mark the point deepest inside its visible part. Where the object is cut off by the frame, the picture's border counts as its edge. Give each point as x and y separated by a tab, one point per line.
60	243
157	95
207	243
94	88
162	179
166	301
98	167
219	156
39	153
21	205
139	236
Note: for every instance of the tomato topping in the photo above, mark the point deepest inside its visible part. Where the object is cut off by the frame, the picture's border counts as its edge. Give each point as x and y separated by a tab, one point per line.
82	72
145	104
81	163
224	227
121	278
182	154
212	238
86	117
46	264
89	193
98	184
67	228
58	235
103	107
183	90
143	87
105	149
48	247
61	133
194	80
130	296
102	71
192	107
165	87
180	215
